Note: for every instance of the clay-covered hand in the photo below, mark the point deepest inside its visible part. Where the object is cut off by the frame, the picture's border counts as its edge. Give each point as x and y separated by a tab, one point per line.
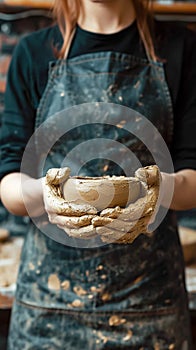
124	225
68	216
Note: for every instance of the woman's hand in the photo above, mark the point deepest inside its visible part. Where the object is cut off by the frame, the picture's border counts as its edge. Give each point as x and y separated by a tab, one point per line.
124	225
74	219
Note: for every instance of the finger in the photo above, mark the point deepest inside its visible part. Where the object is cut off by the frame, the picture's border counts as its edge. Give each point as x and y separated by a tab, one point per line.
119	225
75	221
128	238
56	176
51	191
153	201
86	232
113	236
107	235
61	207
70	221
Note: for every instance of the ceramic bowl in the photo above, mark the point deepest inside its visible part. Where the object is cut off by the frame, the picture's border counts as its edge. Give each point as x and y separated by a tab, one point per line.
102	192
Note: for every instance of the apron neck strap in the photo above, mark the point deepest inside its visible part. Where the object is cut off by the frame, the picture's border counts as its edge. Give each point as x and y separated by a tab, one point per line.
149	58
147	54
69	43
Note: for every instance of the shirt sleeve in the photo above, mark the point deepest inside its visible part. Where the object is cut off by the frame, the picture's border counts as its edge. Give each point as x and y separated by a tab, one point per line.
19	113
184	140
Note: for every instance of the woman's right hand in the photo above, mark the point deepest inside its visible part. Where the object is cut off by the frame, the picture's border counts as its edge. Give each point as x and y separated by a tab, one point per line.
74	219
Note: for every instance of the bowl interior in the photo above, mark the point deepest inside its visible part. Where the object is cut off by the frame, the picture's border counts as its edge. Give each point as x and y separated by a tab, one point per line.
102	192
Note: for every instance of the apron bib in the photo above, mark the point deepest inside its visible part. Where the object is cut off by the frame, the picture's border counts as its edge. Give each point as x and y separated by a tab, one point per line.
116	296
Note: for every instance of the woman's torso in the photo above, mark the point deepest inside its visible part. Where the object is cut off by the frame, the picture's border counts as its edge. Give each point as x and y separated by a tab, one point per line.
116	276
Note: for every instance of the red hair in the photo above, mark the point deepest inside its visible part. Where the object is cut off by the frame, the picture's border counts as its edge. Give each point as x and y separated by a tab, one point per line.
67	12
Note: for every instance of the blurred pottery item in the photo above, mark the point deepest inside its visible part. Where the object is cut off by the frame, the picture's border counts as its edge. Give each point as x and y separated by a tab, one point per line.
188	241
10	251
102	192
4	234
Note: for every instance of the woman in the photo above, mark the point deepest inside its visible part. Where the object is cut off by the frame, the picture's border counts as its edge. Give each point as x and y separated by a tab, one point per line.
116	296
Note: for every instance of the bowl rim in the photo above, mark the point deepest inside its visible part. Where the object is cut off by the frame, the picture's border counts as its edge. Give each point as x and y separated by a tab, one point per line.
106	177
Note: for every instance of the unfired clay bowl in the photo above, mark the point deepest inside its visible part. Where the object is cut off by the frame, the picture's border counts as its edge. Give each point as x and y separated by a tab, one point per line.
102	192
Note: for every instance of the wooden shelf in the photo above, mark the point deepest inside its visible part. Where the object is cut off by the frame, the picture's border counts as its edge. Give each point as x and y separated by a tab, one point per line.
29	3
5	302
175	8
179	7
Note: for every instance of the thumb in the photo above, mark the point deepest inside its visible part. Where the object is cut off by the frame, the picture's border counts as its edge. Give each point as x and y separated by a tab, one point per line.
55	176
150	175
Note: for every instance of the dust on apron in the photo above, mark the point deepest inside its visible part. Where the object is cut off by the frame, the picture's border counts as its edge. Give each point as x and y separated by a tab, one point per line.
116	296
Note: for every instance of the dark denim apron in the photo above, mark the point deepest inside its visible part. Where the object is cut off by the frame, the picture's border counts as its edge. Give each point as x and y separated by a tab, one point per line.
115	296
